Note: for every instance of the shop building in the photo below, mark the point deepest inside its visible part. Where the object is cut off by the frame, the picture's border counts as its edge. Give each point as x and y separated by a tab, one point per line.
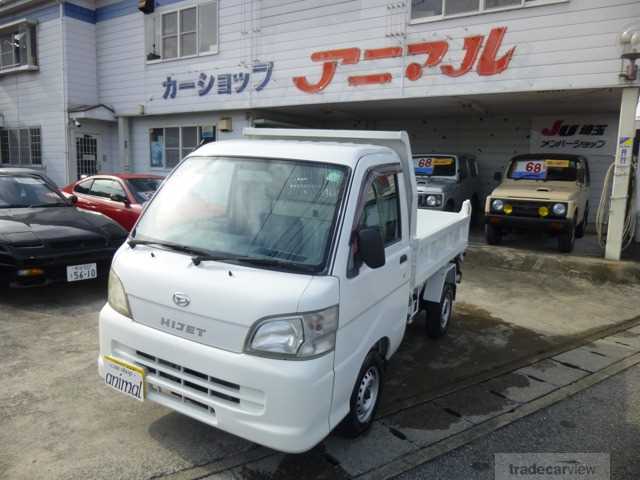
112	85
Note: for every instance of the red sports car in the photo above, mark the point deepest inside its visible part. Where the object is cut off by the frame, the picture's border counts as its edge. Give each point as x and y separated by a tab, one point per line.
119	196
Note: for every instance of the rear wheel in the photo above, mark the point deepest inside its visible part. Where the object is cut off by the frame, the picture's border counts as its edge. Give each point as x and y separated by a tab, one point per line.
492	234
365	397
439	314
566	241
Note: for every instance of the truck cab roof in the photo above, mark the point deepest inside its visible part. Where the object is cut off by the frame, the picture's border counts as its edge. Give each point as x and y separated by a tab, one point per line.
338	153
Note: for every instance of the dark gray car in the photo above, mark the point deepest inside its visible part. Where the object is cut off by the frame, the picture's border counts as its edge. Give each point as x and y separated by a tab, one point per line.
447	180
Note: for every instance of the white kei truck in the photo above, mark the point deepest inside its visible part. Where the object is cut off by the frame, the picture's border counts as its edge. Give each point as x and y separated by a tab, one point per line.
270	279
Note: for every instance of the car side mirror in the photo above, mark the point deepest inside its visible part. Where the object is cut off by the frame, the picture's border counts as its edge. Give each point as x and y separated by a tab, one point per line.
116	197
581	176
497	176
73	199
371	247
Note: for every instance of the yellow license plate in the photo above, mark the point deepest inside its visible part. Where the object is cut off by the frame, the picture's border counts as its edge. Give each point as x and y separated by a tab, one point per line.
124	377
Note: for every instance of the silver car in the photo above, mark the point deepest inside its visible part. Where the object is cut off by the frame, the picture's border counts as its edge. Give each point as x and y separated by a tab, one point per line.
447	180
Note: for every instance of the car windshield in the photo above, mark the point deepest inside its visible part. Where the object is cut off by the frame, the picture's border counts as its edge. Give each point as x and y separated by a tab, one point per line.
545	169
435	166
23	191
248	210
143	188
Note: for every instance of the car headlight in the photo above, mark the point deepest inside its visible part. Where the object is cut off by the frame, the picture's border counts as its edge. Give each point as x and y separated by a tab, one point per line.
434	200
116	295
559	209
295	337
497	205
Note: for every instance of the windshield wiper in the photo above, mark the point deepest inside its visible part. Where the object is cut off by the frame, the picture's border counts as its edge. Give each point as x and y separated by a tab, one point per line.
253	261
172	246
45	205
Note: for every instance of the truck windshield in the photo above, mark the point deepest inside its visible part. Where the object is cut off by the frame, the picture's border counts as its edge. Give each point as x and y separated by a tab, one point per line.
545	169
435	166
252	210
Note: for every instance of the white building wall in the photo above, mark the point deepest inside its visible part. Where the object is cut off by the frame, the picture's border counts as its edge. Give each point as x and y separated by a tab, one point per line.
561	45
36	98
80	62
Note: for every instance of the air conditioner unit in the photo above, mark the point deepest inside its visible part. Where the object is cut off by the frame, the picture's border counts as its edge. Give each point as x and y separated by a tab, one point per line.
225	124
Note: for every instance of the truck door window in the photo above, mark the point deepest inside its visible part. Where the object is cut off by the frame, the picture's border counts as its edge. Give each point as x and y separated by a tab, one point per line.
382	207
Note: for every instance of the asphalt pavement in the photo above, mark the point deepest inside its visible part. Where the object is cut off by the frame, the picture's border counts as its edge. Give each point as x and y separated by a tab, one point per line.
602	419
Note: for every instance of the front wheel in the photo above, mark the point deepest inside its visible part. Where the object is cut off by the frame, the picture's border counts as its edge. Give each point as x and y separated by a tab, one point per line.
566	241
492	234
439	314
365	397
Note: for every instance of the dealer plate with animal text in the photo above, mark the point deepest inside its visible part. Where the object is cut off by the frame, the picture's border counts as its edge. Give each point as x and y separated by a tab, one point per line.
124	377
77	273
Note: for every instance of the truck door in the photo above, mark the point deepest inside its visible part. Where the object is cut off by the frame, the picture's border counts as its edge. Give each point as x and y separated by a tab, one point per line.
373	302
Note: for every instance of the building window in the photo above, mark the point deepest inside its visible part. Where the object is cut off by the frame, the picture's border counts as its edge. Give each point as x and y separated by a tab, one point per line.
432	9
20	146
186	32
169	145
17	46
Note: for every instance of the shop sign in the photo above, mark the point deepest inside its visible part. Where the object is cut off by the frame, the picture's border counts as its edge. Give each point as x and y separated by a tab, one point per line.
221	84
479	54
573	135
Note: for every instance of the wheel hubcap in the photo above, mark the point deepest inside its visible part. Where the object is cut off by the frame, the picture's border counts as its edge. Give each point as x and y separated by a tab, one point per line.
445	314
367	394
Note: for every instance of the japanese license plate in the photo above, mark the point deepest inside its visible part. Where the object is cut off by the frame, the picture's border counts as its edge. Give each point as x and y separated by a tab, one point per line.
124	377
76	273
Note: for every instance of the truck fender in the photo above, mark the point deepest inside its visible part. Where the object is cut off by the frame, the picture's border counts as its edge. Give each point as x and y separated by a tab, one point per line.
432	291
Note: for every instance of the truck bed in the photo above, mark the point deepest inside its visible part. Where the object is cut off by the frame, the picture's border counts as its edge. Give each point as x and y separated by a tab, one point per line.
440	237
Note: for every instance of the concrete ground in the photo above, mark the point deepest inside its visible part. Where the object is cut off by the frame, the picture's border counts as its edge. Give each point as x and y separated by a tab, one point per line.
604	418
58	421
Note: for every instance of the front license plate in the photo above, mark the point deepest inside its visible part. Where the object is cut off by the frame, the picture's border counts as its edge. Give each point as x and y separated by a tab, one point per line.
124	377
76	273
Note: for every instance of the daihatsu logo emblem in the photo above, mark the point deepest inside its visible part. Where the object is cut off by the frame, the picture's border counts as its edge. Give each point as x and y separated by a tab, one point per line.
181	299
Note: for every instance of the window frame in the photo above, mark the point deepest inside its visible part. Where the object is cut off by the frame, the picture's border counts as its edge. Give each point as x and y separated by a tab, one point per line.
180	147
481	10
33	131
155	22
9	31
395	169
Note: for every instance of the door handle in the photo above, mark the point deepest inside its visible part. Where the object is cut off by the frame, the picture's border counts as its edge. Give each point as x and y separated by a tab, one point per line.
403	258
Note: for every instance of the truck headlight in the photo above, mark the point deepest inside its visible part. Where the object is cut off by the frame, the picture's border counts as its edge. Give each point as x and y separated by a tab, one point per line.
497	205
434	200
559	209
116	296
295	337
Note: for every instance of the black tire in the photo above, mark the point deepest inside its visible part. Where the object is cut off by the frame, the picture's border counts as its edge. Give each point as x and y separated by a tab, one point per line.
567	240
361	412
492	234
580	229
439	313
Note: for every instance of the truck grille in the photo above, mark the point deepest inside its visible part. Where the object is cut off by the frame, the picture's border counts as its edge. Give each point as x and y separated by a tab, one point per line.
527	209
191	387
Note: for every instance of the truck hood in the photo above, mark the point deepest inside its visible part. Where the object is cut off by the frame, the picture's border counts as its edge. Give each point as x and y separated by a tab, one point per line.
223	301
527	190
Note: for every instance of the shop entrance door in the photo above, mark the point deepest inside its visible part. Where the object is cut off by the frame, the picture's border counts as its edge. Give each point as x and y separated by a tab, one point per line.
87	155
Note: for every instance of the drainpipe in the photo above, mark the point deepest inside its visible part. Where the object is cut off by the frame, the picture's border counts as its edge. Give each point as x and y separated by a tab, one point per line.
65	96
124	143
622	173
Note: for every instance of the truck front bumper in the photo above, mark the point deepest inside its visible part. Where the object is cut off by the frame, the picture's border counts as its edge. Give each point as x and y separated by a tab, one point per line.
551	225
281	404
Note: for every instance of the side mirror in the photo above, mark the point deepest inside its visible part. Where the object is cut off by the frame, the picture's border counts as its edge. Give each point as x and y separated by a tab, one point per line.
371	247
116	197
581	176
73	199
497	176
